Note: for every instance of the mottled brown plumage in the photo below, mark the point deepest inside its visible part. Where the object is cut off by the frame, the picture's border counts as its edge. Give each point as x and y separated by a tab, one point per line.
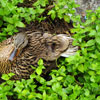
38	45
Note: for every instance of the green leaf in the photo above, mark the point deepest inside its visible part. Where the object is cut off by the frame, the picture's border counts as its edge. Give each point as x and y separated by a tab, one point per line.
56	87
19	24
32	76
39	71
98	34
87	92
39	10
67	18
90	42
25	92
59	78
93	18
31	96
44	95
5	77
11	74
70	78
81	68
4	3
8	19
52	13
98	97
40	62
97	27
92	78
10	33
10	27
3	34
91	72
98	10
98	72
41	80
88	22
38	95
97	39
1	11
92	33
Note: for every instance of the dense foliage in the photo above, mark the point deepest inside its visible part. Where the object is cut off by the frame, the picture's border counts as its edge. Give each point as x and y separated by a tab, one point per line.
13	16
78	77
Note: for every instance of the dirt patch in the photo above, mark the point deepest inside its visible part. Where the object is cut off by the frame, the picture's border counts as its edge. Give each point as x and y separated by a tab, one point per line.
53	27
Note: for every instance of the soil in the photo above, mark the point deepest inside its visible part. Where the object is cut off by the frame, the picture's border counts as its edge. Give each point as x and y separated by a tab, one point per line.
54	27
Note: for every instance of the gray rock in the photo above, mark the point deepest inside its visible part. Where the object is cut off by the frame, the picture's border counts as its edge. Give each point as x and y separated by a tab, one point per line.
86	5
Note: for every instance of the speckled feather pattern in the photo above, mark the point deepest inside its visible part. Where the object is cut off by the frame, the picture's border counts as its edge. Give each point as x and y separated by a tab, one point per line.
39	46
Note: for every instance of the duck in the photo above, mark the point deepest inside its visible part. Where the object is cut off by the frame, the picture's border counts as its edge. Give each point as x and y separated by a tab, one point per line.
23	50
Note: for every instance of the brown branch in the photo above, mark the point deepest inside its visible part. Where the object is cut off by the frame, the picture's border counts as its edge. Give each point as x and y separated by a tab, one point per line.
50	7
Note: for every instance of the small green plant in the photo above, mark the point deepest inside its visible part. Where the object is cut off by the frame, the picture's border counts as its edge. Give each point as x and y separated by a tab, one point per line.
77	77
6	88
63	9
57	88
85	65
13	16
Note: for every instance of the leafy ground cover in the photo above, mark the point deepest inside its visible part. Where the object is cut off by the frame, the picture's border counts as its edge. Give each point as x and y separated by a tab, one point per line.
77	77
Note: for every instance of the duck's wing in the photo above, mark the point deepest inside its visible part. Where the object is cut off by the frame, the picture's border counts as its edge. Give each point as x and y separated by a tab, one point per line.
6	48
6	42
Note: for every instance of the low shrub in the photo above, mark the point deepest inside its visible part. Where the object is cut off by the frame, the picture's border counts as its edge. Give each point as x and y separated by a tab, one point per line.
77	77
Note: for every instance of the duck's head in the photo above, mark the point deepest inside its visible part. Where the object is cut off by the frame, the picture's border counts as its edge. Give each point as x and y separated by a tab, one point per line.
59	45
20	41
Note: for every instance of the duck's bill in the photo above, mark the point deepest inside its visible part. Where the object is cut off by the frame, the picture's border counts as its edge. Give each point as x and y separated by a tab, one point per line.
13	54
69	52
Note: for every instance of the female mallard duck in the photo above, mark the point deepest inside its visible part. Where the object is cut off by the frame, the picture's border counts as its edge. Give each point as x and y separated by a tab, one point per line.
22	50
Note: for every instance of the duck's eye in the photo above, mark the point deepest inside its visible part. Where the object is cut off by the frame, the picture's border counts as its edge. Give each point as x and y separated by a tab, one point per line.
53	47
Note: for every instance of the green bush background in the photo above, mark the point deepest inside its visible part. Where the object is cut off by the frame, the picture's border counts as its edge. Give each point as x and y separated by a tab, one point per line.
78	77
